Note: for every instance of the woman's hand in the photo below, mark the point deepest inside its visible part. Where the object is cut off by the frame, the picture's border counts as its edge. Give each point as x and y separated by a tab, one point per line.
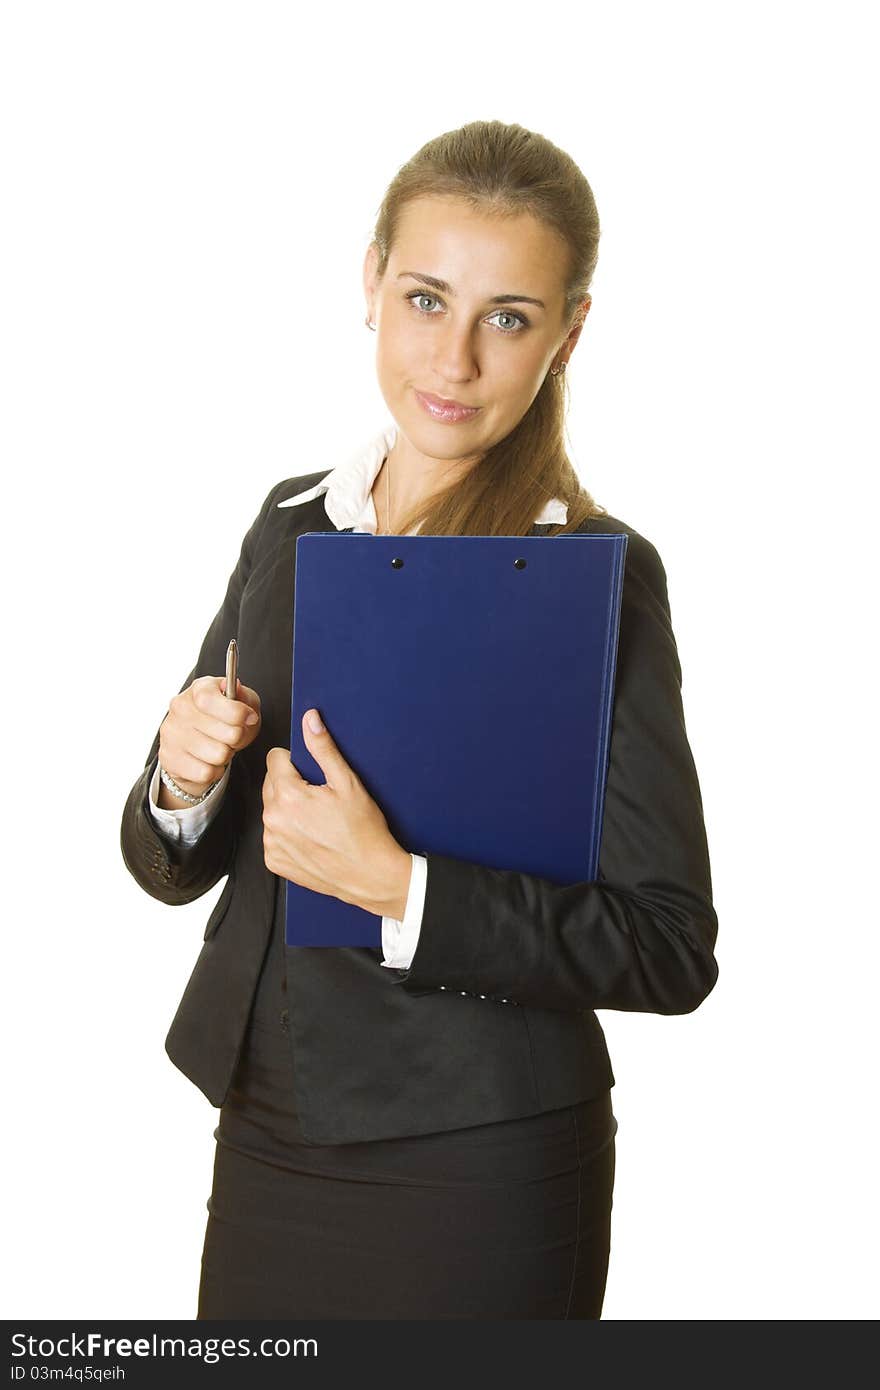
202	730
334	838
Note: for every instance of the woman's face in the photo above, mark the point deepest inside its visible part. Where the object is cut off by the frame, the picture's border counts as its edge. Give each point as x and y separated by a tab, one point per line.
455	342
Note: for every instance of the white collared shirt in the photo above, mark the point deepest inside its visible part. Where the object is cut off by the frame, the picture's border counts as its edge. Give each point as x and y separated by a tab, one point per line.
348	502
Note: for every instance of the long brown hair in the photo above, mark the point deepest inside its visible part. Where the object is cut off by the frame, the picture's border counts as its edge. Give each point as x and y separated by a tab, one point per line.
507	170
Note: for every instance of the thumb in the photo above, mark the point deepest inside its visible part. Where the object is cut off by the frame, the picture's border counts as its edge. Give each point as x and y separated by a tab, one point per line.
313	722
322	747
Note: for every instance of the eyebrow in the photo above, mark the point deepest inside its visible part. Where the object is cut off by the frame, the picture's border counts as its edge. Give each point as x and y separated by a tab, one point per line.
445	288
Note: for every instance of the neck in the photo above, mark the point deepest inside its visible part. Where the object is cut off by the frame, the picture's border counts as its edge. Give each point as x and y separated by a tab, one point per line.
414	477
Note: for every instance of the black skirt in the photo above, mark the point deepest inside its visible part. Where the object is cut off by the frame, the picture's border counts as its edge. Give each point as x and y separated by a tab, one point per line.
495	1221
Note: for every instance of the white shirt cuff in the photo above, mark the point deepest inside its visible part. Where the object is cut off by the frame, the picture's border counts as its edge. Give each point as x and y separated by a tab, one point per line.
400	938
187	824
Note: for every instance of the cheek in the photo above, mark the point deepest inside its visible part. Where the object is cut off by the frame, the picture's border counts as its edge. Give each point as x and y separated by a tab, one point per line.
538	366
516	360
518	378
397	353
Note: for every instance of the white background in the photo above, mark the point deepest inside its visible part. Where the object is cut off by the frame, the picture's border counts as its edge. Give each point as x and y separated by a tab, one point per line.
189	189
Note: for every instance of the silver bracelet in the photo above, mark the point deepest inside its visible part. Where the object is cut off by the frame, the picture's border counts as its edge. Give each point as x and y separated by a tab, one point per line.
179	792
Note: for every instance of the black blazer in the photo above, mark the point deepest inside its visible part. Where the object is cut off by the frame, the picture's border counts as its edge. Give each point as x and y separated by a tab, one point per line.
495	1017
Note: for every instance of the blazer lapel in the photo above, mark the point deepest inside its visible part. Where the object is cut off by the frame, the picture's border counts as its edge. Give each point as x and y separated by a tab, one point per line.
265	634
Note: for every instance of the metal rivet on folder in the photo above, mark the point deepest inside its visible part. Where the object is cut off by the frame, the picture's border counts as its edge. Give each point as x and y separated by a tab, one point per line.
396	563
519	564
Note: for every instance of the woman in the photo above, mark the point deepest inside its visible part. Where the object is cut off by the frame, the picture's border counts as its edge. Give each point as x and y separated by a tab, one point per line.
425	1131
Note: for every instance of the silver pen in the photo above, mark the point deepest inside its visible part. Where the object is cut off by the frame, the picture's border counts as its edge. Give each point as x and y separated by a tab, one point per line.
231	669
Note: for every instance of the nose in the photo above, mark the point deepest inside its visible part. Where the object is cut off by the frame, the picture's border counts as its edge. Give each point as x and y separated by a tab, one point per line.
455	359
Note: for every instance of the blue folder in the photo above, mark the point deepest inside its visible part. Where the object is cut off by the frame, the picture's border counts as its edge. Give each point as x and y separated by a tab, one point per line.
468	680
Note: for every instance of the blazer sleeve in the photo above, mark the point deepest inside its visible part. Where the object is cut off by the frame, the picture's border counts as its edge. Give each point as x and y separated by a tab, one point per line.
180	873
642	936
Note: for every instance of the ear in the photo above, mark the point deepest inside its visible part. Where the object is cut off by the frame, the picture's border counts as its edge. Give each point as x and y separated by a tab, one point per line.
580	318
371	277
575	331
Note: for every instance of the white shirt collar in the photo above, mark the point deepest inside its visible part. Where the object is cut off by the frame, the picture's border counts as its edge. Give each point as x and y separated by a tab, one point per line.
348	488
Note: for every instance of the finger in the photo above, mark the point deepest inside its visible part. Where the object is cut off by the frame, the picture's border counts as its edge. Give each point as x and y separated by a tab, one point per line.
191	712
249	696
279	768
323	749
233	736
218	711
243	695
204	749
188	767
236	737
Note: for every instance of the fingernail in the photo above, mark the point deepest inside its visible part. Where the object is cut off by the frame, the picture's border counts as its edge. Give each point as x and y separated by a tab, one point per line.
253	718
315	724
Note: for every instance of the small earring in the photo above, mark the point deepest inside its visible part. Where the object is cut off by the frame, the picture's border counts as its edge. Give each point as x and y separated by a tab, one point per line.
369	325
561	368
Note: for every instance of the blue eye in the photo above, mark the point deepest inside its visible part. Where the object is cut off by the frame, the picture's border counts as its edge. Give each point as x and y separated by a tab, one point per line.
508	313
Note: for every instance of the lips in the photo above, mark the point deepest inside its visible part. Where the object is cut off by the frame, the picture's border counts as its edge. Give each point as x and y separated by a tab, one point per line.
440	408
